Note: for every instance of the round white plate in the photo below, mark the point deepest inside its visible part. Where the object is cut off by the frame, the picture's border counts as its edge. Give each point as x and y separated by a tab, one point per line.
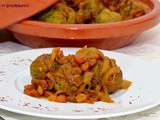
143	94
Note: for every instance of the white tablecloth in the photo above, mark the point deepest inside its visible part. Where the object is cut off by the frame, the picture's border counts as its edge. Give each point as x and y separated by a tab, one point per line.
146	47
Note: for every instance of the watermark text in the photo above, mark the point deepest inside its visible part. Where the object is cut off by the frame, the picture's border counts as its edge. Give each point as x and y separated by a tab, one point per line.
14	5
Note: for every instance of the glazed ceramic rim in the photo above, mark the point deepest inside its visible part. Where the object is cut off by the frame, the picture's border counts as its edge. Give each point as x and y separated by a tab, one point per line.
62	30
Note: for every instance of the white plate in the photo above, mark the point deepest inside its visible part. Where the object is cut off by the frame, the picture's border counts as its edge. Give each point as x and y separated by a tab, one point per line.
143	94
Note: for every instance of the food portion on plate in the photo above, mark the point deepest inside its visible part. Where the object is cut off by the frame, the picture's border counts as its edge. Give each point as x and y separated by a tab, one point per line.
86	77
94	11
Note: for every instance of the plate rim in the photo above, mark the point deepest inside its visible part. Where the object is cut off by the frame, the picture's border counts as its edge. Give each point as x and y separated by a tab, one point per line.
77	117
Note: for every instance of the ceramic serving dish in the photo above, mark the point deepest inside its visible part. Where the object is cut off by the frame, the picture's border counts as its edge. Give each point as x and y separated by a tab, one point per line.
137	98
106	36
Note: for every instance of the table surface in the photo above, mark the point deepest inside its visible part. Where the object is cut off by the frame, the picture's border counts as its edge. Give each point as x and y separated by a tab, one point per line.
146	47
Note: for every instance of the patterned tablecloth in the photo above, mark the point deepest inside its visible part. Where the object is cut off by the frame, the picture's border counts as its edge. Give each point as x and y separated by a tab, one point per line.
146	47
